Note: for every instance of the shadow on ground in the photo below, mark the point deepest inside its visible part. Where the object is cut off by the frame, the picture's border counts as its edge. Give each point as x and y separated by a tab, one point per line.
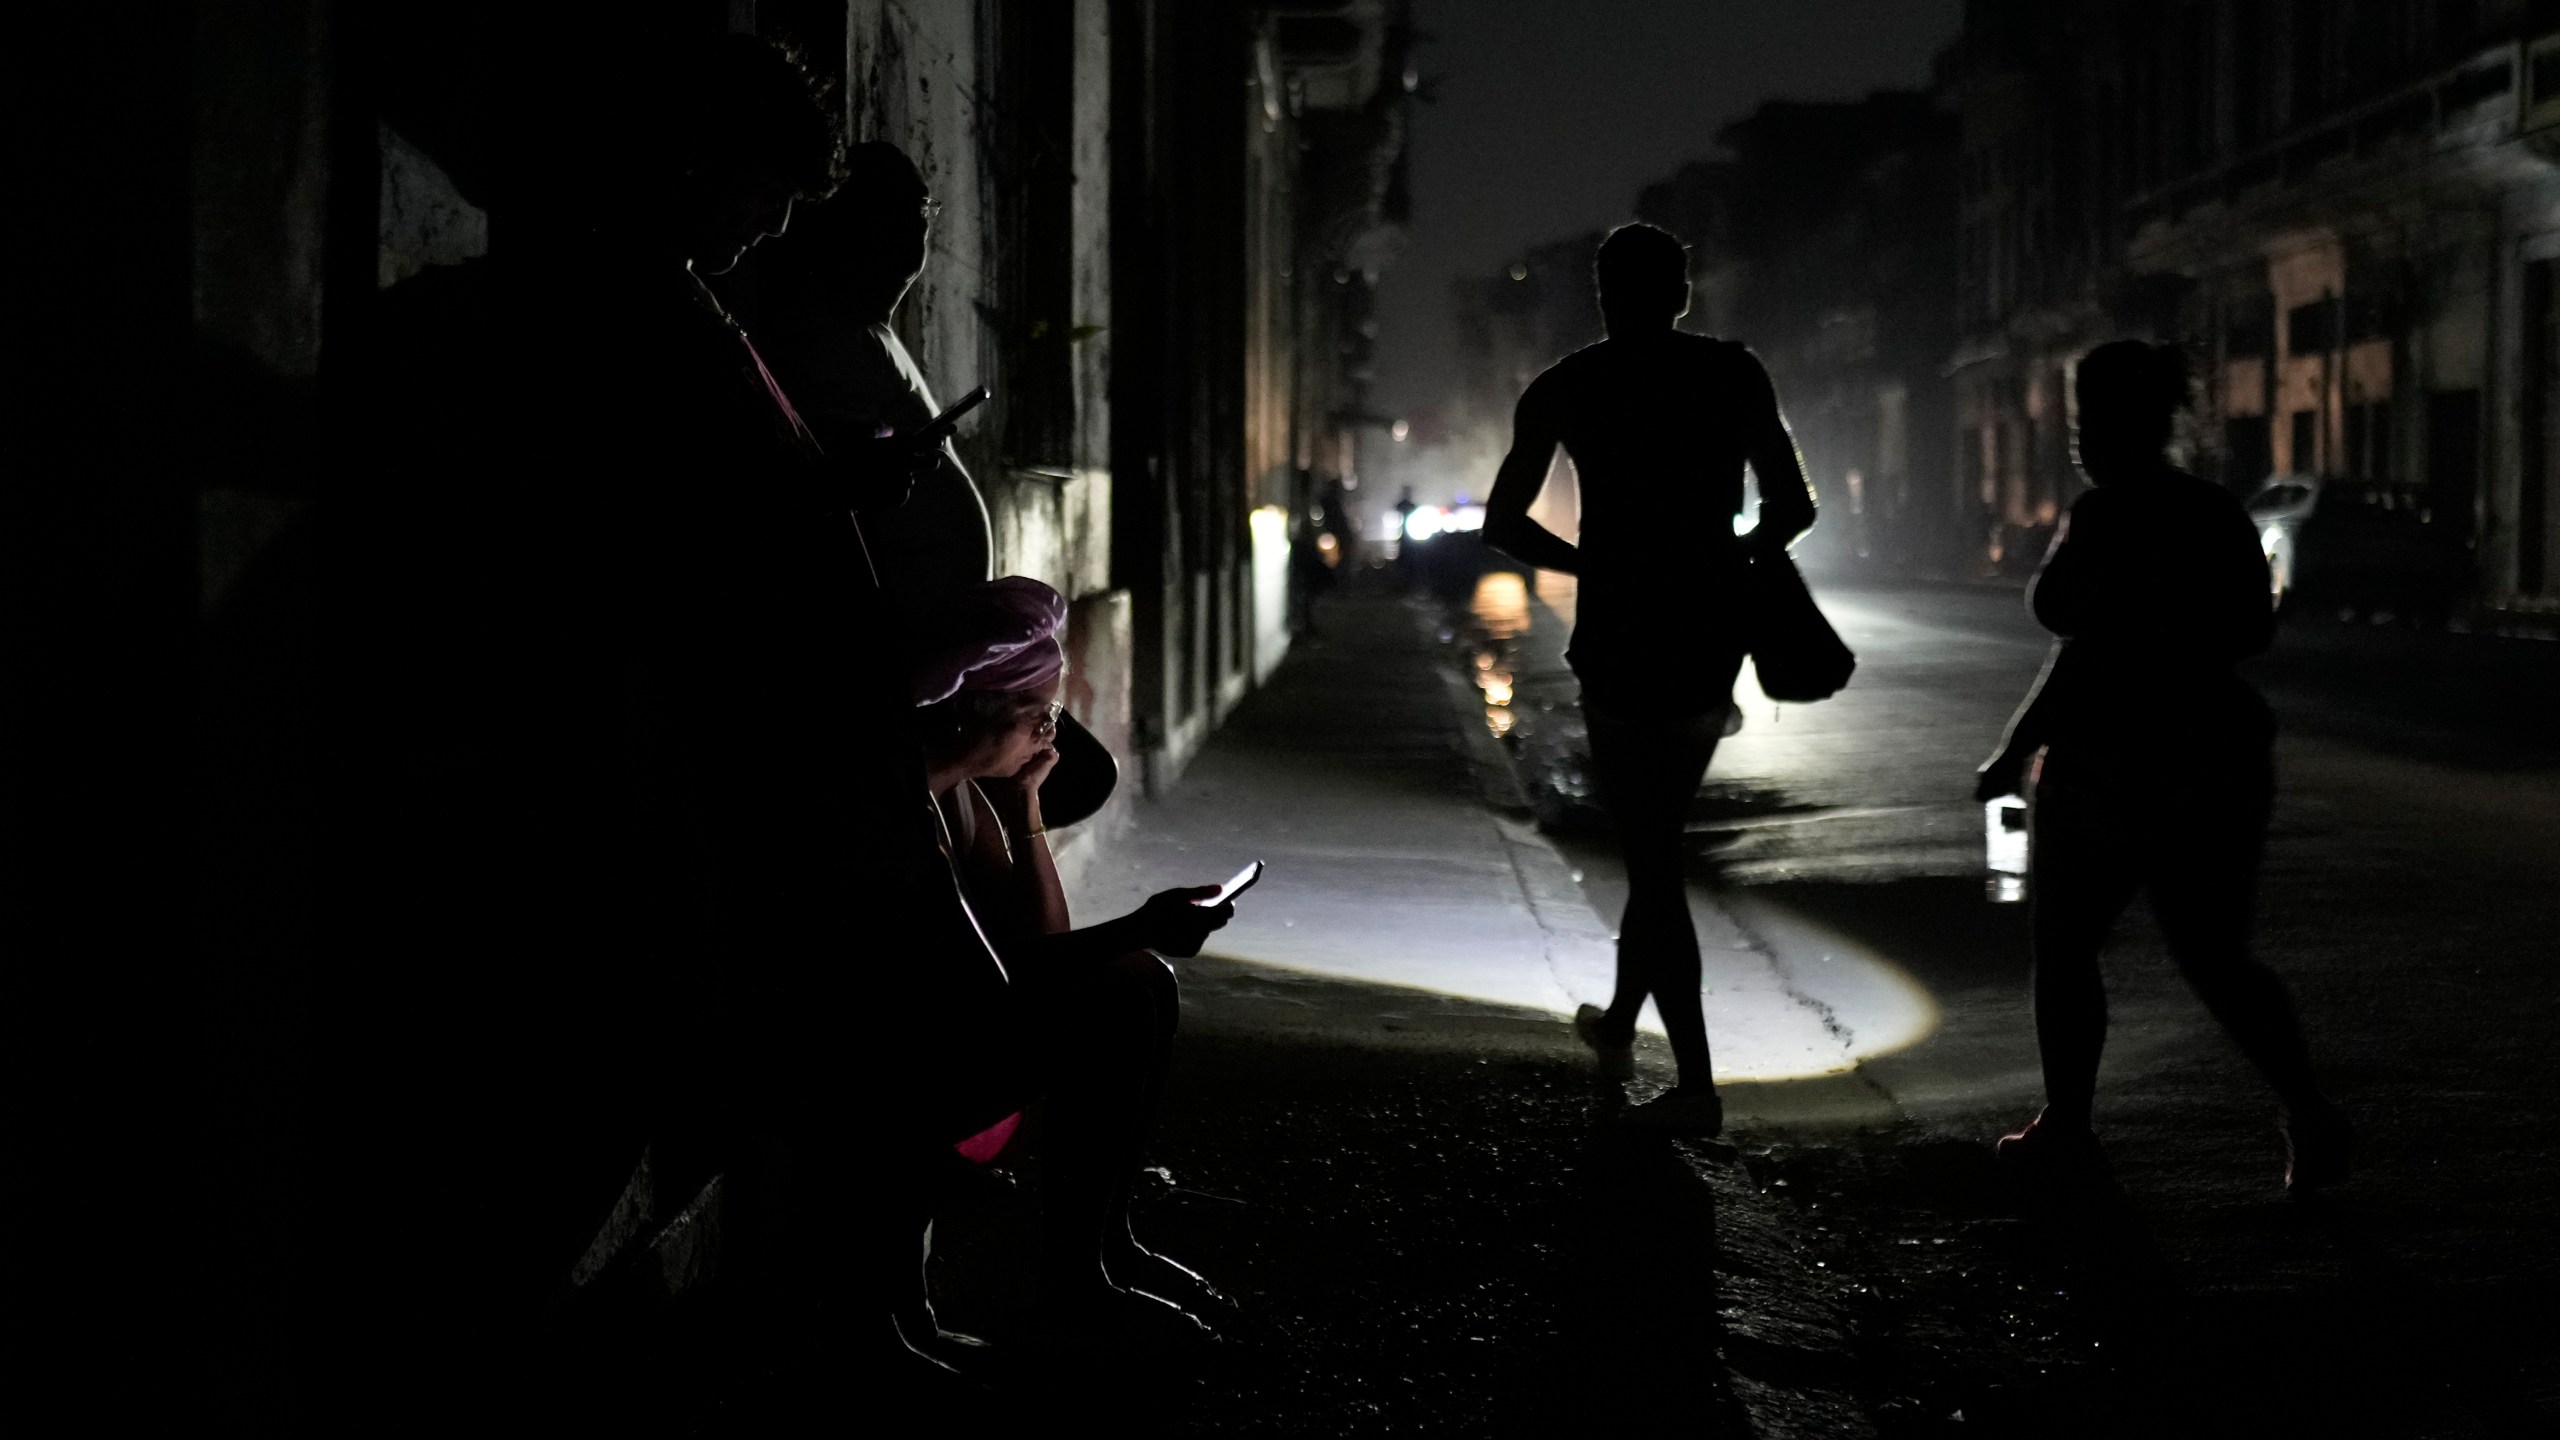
1426	1220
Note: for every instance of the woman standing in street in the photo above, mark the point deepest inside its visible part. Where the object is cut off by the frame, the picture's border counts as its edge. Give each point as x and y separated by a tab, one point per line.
2151	760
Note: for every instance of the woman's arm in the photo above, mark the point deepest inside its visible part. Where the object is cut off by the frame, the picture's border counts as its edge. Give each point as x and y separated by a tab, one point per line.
1012	813
2005	773
1171	922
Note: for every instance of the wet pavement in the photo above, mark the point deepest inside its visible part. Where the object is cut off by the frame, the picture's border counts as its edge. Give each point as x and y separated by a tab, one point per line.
2408	900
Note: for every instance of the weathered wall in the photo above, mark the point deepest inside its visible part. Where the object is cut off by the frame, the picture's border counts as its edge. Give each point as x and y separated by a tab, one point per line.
424	219
1273	364
260	161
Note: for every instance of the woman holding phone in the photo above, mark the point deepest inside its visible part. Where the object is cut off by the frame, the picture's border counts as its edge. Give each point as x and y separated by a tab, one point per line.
1087	1016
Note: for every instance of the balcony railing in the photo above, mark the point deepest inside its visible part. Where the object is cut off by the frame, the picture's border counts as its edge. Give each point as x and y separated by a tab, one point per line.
2521	79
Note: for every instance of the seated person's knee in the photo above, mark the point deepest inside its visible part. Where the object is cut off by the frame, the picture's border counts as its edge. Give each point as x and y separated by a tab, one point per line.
1146	972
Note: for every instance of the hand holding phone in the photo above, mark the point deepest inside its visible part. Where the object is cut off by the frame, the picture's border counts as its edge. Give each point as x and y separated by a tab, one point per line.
939	428
1177	922
1236	885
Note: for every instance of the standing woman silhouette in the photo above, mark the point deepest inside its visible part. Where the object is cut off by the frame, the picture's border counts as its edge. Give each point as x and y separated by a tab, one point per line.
2151	760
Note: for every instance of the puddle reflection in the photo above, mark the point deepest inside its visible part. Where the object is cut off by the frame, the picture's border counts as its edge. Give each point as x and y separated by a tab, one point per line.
1500	609
1501	605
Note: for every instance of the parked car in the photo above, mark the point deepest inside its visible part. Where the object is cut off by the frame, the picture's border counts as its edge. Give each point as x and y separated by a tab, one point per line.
2363	549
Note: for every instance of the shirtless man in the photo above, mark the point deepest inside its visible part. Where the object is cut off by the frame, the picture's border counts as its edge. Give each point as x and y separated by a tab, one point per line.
1659	424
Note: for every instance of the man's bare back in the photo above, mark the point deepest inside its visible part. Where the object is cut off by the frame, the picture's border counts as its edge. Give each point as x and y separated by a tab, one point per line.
1659	425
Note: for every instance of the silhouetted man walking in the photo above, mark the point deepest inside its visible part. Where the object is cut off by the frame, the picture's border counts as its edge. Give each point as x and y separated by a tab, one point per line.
1659	425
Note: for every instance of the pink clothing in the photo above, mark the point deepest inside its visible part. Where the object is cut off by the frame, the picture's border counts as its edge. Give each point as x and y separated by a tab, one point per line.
999	637
983	1147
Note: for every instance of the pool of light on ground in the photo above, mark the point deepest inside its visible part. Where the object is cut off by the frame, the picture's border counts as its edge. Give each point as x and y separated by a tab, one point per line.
1789	1000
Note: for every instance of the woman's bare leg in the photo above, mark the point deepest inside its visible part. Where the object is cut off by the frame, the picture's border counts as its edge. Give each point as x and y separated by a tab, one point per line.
1101	1110
2205	895
2084	875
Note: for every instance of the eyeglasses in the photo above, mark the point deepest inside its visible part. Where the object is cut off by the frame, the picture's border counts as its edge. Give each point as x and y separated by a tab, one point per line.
930	209
1044	721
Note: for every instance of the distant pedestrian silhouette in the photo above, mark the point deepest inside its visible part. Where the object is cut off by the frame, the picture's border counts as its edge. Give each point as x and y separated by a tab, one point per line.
2156	770
1659	425
1408	559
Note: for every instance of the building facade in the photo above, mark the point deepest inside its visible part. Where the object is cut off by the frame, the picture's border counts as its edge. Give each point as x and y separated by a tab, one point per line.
2346	212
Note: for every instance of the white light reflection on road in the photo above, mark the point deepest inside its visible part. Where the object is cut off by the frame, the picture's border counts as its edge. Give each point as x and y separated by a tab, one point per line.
1786	1000
1376	876
1787	997
1797	1003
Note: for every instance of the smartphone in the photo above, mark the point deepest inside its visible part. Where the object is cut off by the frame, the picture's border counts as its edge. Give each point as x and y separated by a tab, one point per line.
939	428
1236	885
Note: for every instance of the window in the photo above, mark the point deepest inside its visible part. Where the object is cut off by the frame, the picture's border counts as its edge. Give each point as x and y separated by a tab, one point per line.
2305	459
2373	46
2312	329
2249	48
2369	443
2311	25
2457	23
2368	316
1031	323
2195	88
2245	457
2249	329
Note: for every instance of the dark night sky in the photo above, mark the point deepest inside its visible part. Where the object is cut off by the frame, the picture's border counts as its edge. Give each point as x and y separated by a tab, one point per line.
1551	114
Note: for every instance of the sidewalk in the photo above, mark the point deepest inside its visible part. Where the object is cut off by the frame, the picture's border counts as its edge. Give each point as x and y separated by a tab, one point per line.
1351	774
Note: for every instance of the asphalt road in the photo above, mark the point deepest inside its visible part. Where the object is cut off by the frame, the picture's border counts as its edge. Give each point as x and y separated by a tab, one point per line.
2412	899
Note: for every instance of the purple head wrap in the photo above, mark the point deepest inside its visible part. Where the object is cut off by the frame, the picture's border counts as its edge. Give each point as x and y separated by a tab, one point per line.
1000	636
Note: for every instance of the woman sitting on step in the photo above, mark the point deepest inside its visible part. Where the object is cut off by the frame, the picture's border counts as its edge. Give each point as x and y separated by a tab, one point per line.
1079	1025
